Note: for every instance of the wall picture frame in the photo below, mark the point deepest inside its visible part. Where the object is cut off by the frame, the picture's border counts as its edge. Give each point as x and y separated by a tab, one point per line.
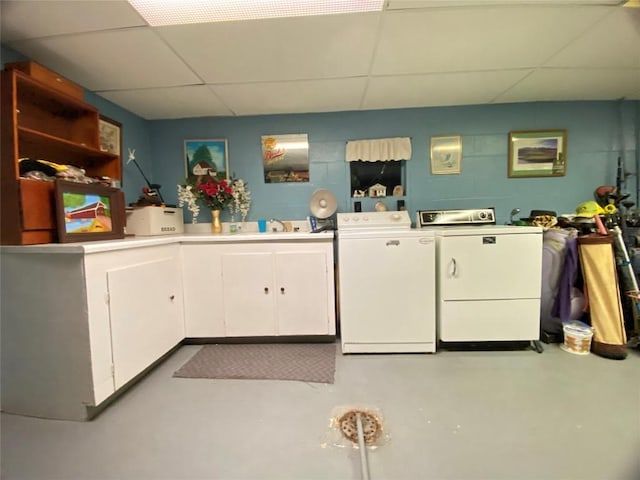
209	156
285	158
110	135
88	212
537	153
446	155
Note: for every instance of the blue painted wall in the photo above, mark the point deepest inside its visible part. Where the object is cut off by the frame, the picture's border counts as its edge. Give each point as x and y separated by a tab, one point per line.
598	133
595	140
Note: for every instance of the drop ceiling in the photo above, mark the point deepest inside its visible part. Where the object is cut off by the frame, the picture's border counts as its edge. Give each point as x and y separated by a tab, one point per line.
415	53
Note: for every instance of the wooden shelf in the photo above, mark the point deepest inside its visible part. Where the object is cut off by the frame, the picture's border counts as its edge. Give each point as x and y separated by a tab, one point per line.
42	122
59	147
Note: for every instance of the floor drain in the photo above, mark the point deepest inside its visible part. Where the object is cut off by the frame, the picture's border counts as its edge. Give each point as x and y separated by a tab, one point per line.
361	427
371	428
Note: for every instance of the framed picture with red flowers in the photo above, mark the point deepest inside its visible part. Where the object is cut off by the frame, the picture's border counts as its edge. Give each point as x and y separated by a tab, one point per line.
206	158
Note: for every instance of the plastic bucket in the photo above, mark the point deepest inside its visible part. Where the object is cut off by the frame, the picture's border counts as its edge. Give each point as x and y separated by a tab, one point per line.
577	337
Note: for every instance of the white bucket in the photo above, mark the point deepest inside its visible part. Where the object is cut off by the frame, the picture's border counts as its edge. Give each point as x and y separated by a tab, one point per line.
577	337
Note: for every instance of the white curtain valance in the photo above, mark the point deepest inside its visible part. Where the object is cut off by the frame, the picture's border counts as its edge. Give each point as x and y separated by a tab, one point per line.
379	149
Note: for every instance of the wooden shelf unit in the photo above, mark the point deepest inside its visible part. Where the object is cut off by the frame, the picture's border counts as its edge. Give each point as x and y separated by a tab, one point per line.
42	122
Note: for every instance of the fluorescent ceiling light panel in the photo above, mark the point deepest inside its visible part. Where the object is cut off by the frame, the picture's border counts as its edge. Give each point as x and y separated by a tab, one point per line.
180	12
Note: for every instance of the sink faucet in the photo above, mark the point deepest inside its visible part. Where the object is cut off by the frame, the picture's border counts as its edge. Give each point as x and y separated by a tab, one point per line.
275	220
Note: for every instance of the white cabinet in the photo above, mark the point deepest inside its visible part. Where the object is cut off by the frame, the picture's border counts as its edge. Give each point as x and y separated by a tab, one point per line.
202	281
80	321
77	326
250	289
145	307
280	289
248	293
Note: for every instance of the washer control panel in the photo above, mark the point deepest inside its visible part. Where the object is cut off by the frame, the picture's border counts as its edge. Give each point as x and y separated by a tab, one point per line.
374	220
472	216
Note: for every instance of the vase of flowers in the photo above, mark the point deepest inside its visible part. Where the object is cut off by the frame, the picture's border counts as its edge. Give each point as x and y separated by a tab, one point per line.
216	194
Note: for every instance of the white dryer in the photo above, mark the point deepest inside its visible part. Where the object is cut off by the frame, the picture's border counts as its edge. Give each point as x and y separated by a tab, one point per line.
386	284
489	277
489	283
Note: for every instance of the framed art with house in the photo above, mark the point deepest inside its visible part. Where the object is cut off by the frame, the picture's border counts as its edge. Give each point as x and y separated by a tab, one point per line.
88	212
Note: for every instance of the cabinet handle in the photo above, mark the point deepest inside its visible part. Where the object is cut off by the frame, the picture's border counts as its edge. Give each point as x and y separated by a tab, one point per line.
266	290
282	290
455	267
172	298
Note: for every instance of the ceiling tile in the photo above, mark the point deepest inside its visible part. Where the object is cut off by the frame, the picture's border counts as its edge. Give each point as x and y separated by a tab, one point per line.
612	42
41	18
439	89
277	49
112	60
575	84
292	97
450	39
174	102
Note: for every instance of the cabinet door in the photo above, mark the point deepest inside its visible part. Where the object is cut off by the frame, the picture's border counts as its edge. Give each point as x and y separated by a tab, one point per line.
203	293
249	305
301	291
145	309
502	267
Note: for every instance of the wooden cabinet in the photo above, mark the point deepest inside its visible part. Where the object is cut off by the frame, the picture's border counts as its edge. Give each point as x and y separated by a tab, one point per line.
41	120
252	289
78	326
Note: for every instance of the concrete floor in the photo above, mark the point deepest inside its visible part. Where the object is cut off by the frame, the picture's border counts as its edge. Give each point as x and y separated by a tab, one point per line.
454	415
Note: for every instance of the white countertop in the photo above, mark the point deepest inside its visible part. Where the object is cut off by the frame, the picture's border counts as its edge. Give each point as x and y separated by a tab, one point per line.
185	238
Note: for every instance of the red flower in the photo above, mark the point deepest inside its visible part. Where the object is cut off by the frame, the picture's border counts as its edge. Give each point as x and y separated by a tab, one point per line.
215	193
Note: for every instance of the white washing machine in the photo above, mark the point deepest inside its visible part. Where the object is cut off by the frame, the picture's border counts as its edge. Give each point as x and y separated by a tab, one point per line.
489	277
386	284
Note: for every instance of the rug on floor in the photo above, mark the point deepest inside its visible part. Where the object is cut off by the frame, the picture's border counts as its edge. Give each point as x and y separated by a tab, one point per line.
305	362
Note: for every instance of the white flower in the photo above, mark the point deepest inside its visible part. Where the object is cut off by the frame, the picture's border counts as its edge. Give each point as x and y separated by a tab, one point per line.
186	196
241	199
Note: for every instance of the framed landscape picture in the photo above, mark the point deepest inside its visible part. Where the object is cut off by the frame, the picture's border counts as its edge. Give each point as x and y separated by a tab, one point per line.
88	212
206	157
537	153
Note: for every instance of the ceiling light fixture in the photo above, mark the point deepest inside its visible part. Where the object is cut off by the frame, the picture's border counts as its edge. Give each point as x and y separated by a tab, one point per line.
179	12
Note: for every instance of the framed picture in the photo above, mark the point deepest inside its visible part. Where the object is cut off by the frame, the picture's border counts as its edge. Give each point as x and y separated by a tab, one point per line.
88	212
538	153
110	135
446	155
206	157
285	158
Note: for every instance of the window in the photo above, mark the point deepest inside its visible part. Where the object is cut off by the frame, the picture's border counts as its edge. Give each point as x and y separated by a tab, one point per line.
366	174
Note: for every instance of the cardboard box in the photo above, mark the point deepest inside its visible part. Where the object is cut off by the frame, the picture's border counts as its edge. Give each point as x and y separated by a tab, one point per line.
150	221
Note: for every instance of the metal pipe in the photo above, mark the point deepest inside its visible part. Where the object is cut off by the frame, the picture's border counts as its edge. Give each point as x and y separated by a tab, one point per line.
364	462
275	220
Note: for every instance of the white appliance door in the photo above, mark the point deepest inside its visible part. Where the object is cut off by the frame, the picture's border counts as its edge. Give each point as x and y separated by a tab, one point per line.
387	288
490	266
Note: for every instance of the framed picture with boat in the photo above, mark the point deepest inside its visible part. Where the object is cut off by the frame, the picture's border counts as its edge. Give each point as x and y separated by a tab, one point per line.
537	153
88	212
